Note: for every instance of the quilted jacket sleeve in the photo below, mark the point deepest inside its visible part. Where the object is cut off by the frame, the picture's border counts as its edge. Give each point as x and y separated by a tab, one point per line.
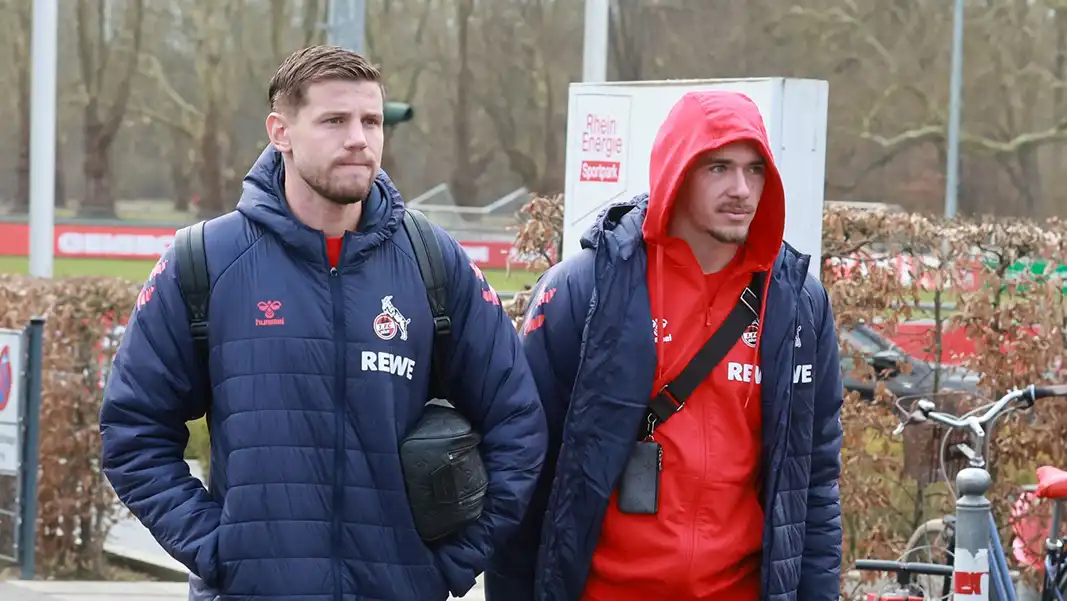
489	381
152	391
821	563
551	338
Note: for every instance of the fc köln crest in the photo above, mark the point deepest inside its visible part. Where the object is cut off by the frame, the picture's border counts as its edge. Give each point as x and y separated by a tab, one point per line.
390	321
751	333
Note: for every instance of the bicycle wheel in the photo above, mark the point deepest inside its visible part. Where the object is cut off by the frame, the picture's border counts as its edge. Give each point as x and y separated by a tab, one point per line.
932	542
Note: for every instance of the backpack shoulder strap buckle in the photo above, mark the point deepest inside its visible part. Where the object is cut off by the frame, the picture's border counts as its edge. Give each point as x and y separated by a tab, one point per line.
442	326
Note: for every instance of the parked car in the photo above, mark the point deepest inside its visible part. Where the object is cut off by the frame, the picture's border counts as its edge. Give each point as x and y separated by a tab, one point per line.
889	362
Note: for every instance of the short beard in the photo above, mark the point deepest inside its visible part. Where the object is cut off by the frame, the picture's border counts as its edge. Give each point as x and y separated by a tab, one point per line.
337	197
729	235
320	183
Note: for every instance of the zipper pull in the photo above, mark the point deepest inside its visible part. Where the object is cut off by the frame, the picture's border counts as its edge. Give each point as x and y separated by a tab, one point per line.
707	318
333	272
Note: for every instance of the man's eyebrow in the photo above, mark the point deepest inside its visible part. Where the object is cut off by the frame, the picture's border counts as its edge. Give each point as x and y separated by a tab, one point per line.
716	160
331	114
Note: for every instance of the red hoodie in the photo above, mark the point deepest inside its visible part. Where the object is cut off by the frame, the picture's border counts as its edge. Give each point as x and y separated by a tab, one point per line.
706	540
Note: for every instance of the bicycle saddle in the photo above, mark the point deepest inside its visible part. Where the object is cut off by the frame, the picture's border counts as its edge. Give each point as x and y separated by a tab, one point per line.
1051	482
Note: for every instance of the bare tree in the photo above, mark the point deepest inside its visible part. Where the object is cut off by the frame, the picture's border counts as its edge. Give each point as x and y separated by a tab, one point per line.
1023	120
528	50
401	69
107	66
899	48
229	75
627	38
15	31
468	166
489	83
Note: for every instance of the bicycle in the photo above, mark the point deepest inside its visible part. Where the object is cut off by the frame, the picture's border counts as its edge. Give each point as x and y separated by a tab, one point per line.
908	590
978	559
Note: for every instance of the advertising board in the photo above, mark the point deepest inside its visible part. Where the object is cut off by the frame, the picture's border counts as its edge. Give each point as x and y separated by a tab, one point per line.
11	368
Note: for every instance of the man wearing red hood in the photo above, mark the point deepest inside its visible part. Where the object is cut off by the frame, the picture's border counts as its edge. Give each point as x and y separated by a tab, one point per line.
747	506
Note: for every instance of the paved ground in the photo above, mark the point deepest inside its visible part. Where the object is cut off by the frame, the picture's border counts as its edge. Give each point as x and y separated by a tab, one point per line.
39	590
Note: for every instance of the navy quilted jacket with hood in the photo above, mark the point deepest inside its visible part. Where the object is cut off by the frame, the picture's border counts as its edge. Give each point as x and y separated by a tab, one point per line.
309	403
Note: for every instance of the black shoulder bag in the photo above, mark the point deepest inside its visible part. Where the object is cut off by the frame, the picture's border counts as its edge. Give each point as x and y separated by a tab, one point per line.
444	472
443	469
639	486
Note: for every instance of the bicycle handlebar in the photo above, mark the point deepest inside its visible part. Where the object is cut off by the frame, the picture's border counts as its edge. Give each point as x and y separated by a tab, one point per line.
925	409
1044	392
910	567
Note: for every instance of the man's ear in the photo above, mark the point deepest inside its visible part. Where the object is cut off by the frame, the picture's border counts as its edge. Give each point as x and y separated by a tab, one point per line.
278	131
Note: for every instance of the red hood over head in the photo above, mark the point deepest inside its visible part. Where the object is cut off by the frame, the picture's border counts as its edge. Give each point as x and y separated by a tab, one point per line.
699	123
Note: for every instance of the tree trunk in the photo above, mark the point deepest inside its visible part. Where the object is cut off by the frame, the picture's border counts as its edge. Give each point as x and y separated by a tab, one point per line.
211	176
465	173
22	169
61	180
22	81
183	186
1031	190
98	200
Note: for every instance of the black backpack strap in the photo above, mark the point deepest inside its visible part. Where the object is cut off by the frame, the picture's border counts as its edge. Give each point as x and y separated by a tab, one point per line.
431	262
673	396
195	285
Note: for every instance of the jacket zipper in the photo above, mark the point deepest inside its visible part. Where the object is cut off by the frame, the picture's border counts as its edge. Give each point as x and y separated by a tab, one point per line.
337	294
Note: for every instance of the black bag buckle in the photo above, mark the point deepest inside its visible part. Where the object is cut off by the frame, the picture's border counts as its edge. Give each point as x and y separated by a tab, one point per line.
442	325
665	404
198	329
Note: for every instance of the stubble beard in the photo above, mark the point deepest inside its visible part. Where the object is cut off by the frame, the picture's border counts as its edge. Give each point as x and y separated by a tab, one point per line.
338	197
729	235
337	194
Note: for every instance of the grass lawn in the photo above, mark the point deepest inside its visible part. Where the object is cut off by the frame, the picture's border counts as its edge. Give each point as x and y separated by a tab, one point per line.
137	271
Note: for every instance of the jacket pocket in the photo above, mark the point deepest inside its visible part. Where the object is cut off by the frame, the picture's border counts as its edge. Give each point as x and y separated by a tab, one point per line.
200	591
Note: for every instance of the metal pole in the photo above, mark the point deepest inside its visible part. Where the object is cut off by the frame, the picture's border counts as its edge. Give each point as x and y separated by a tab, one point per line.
30	449
45	49
971	558
952	175
346	24
595	51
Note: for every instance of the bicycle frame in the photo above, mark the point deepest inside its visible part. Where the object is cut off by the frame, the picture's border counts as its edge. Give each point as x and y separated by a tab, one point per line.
1054	557
1050	587
904	572
1054	561
980	569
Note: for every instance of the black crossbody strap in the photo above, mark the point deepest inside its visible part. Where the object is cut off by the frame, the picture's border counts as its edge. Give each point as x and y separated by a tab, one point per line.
672	397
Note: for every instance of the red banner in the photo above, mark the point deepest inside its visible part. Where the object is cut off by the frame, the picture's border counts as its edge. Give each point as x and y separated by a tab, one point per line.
146	242
91	241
